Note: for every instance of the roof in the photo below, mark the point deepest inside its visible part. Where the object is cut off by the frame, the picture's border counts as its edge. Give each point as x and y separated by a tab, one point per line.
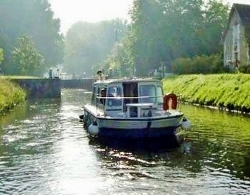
127	80
244	12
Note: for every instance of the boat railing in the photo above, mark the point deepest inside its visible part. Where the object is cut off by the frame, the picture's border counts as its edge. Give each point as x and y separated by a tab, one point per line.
138	99
118	97
133	107
132	98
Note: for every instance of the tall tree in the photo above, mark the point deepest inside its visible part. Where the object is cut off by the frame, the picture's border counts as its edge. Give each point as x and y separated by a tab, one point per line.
215	21
35	19
1	55
146	15
164	30
26	58
45	31
87	45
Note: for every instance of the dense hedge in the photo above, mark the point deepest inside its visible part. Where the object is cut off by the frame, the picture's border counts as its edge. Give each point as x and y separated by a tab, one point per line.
199	65
230	91
10	95
244	69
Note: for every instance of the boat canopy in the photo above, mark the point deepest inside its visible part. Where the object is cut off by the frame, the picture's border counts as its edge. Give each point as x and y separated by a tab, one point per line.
114	95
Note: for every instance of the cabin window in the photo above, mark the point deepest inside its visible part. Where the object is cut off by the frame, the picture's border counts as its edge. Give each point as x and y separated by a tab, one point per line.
116	92
159	94
103	95
147	93
93	100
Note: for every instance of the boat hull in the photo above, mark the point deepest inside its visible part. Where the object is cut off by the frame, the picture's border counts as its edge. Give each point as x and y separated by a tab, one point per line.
137	133
133	128
151	144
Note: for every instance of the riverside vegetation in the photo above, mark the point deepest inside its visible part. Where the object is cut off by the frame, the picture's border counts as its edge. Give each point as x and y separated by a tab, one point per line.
225	91
10	95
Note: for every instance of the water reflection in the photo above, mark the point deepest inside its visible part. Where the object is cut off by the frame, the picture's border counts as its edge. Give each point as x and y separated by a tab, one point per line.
45	150
150	145
29	109
221	140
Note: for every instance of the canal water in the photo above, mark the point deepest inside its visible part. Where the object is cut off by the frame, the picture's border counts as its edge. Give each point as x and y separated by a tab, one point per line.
44	150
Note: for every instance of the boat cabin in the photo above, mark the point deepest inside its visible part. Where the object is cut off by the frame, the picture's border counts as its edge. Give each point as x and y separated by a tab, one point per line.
133	97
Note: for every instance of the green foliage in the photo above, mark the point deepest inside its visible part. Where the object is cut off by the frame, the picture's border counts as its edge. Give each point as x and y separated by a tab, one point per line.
244	69
229	91
163	31
10	95
148	31
120	59
1	55
87	45
199	64
12	77
35	19
27	58
247	34
182	65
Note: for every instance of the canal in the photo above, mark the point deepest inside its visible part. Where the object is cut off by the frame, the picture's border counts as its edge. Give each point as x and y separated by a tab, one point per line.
45	150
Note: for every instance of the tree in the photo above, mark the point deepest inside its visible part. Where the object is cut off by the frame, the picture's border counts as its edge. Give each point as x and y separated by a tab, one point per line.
35	19
87	45
26	57
163	31
145	37
1	55
45	31
215	21
117	61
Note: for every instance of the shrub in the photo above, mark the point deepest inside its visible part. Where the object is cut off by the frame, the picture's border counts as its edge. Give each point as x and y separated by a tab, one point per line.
244	69
198	65
10	95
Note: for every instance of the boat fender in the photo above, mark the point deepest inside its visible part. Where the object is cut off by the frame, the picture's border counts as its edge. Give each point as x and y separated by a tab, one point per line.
93	128
81	117
169	101
186	124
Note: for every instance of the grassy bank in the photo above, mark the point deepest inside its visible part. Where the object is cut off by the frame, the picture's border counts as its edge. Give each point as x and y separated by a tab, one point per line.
229	91
18	77
10	95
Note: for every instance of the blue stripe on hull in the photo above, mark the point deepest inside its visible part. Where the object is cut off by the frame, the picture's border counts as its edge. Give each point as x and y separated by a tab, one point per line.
134	133
137	133
149	145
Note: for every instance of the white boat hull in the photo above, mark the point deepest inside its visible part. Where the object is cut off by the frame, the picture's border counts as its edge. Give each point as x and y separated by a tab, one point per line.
132	127
132	108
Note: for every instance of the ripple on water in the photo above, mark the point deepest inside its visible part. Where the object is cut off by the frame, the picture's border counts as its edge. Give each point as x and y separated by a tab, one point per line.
48	152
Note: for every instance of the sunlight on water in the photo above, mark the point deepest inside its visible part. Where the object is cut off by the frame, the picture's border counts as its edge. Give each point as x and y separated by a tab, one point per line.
45	150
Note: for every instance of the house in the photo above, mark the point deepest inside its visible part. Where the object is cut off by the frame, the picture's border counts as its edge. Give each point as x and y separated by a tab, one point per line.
237	37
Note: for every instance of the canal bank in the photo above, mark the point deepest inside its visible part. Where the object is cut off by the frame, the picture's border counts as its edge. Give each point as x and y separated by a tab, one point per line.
10	95
223	91
40	87
45	150
14	90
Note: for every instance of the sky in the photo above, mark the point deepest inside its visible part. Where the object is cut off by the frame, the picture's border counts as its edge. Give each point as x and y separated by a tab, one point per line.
72	11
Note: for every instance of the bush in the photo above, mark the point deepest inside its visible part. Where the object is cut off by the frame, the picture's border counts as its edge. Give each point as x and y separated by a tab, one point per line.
10	95
198	65
182	66
244	69
230	91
